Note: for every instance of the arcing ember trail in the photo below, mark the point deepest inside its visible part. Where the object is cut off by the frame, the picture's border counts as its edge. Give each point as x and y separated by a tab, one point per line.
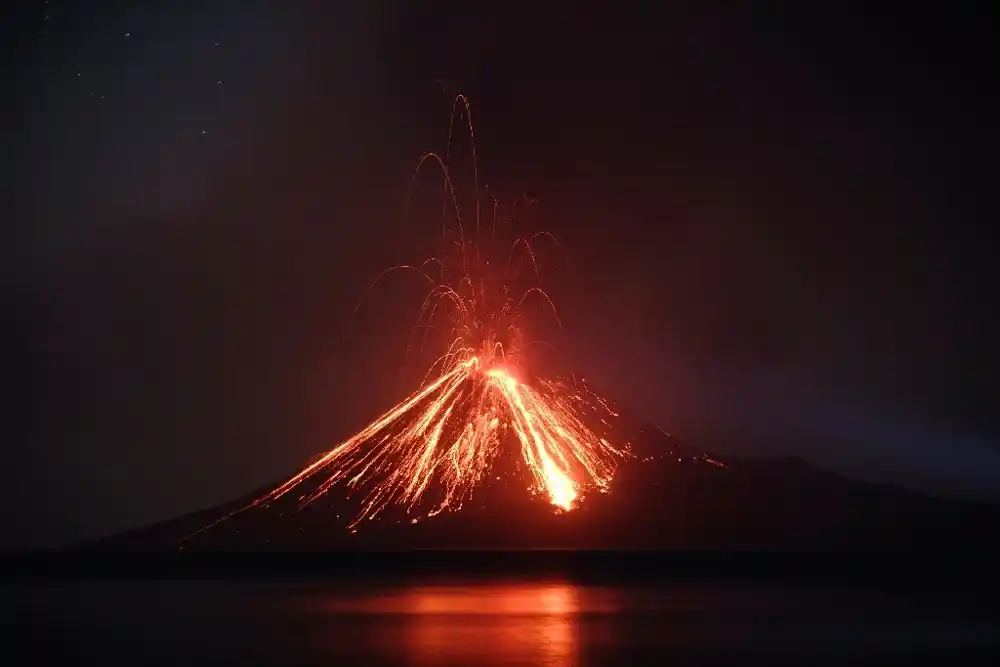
431	451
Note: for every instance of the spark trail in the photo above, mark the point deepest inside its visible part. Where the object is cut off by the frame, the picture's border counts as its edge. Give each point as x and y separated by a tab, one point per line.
431	451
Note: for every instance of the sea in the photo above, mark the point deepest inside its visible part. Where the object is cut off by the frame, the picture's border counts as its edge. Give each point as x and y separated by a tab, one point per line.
488	621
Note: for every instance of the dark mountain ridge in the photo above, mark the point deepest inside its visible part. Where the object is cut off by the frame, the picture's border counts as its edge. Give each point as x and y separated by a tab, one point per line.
669	497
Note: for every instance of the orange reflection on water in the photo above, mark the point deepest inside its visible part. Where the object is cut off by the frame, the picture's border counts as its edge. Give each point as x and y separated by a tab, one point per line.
480	624
545	599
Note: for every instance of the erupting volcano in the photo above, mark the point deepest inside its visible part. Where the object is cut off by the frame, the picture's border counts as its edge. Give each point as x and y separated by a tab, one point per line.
500	451
431	451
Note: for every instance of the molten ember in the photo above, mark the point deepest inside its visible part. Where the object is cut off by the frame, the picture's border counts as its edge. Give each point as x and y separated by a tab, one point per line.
450	432
431	451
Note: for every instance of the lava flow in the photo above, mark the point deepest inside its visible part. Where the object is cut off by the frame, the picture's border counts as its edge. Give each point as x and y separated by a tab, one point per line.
451	431
430	451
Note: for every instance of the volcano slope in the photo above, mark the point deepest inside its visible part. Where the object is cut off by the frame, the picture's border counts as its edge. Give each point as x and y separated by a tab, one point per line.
667	496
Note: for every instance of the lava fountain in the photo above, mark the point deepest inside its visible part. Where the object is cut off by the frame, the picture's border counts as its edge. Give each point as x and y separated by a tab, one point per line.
431	451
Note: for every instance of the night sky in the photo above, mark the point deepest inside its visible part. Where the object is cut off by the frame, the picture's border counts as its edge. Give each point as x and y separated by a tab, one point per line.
777	231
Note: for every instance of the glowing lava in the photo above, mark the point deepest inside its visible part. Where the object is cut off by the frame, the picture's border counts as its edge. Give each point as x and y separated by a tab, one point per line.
450	432
430	451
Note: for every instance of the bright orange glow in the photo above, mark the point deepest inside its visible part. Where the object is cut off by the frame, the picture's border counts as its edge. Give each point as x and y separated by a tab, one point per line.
450	431
430	451
546	599
511	623
525	625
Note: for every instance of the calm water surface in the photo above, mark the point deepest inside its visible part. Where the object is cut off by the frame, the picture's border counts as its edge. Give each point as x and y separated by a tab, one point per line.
483	622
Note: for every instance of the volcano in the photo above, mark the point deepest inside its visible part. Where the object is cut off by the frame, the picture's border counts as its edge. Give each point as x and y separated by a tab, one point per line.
668	496
489	452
